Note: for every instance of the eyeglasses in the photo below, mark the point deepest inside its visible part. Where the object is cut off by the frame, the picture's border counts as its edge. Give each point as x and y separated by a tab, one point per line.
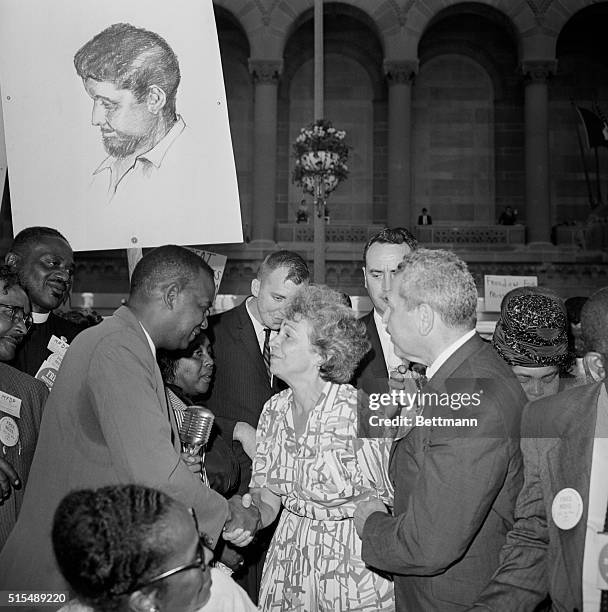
17	315
198	563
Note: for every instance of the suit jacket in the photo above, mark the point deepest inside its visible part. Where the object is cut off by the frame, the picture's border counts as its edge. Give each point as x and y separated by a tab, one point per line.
32	352
429	220
106	422
539	558
455	488
33	394
371	374
241	386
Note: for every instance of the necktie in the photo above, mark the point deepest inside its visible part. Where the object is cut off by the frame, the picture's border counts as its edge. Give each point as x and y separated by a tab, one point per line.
266	351
604	600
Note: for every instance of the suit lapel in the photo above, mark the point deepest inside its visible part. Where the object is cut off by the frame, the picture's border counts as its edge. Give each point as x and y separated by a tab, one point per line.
569	466
245	335
454	361
379	364
129	318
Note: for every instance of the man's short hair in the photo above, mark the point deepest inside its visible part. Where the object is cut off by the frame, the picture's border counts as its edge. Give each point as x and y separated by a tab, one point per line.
8	278
442	280
594	323
165	265
131	58
31	236
298	271
391	235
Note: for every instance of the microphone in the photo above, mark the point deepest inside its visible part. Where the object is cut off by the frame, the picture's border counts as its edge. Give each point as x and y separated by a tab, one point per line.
196	428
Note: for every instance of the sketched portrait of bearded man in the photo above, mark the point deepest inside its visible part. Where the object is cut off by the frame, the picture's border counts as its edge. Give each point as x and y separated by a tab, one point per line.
132	75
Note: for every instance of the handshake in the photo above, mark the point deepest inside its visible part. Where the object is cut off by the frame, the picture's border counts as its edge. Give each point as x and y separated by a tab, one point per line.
244	521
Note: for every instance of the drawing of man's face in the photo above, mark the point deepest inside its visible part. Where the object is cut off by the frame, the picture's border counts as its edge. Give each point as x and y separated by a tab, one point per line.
126	124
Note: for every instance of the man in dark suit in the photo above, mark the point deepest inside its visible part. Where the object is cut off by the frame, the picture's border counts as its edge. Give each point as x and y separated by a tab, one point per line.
382	255
458	471
44	262
243	382
555	546
425	218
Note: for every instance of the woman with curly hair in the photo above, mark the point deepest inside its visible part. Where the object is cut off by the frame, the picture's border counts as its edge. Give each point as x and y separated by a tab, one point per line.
310	460
129	547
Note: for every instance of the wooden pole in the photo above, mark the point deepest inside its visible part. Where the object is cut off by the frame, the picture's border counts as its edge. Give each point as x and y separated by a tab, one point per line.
319	206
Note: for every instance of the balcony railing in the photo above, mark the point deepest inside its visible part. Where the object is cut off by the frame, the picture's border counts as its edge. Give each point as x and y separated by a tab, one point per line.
480	235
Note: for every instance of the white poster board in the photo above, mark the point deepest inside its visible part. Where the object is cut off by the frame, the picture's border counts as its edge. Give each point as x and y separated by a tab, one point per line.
2	150
185	191
496	287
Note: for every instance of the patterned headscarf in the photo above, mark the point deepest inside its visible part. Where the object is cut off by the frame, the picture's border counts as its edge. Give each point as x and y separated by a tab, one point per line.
532	329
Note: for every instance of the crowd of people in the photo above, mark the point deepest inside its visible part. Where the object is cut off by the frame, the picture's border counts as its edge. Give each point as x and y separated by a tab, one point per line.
396	461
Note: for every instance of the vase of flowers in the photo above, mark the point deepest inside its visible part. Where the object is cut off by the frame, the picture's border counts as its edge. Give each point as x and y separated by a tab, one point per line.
321	158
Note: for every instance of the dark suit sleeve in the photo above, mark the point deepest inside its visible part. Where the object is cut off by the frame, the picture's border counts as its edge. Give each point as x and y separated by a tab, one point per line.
138	432
460	474
521	581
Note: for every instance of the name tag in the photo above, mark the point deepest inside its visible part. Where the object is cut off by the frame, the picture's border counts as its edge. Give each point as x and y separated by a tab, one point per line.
10	404
57	345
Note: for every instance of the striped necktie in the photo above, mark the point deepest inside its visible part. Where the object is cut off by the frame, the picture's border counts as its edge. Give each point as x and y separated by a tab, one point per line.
266	351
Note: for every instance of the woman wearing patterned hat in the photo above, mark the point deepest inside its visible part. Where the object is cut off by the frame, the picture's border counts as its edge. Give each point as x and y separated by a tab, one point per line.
531	335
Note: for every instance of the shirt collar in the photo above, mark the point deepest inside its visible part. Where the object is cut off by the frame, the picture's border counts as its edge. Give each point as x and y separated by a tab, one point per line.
445	354
40	317
156	154
149	339
257	326
388	348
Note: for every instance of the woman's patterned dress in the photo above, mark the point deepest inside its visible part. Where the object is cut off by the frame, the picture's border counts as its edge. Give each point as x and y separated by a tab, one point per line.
314	562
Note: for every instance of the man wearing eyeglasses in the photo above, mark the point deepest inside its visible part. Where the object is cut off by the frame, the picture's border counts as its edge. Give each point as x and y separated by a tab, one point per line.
21	402
44	262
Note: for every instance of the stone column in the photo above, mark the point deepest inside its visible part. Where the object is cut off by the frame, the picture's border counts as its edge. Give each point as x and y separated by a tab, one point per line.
265	75
400	75
538	201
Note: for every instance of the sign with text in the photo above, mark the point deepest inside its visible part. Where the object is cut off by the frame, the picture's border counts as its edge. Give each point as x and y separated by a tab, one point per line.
116	122
216	262
496	287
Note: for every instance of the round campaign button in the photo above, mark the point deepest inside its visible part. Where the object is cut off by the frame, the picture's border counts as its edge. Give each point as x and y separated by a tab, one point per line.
9	431
603	563
567	508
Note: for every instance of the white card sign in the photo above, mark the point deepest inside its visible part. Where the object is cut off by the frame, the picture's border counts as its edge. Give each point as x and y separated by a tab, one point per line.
216	262
496	287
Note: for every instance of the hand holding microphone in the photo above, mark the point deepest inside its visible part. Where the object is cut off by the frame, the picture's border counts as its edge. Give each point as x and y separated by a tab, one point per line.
194	434
195	430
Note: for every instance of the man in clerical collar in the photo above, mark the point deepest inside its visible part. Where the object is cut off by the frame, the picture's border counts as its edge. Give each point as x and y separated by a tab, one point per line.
44	262
132	76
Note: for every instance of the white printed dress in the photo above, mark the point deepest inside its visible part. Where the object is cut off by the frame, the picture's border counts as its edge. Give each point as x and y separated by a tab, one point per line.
314	561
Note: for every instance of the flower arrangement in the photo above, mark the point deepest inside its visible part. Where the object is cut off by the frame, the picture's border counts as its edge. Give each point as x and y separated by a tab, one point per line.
321	155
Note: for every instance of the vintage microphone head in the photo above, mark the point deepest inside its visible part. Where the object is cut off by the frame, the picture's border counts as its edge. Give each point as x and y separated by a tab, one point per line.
196	428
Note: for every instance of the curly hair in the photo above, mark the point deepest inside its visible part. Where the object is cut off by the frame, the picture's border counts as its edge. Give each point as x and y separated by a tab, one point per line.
594	323
336	333
109	540
8	278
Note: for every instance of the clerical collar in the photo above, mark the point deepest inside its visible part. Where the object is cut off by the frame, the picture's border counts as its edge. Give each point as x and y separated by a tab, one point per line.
40	317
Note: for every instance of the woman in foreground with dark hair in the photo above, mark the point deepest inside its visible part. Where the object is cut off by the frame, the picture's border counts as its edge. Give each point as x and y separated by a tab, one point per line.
131	548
